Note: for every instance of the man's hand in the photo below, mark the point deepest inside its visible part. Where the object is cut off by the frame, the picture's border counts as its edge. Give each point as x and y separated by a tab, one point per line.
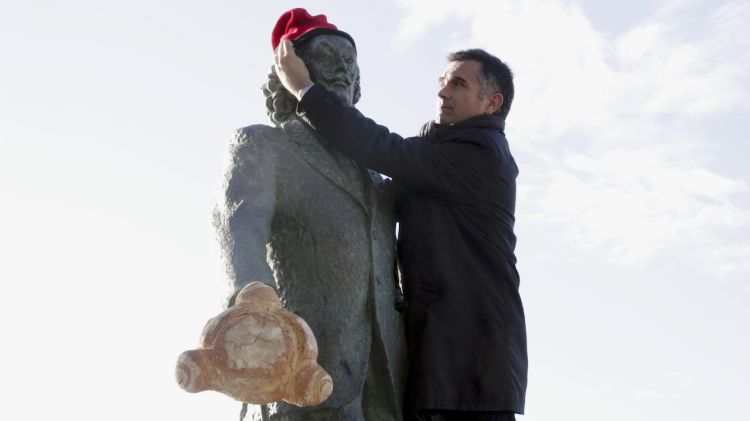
290	68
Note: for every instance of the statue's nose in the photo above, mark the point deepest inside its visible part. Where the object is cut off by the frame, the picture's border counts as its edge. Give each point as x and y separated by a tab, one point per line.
338	66
341	62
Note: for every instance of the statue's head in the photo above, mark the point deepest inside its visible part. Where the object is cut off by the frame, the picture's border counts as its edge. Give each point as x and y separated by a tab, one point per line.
330	56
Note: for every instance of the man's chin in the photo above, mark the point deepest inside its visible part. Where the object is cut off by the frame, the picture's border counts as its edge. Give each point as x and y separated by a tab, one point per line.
442	119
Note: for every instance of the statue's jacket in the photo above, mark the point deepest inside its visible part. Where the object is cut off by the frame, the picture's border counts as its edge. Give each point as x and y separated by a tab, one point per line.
321	230
465	320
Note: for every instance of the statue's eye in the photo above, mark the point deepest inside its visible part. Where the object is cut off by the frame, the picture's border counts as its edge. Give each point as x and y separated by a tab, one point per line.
323	56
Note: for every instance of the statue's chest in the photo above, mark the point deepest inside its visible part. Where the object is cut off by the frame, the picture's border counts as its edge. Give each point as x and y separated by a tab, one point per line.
320	189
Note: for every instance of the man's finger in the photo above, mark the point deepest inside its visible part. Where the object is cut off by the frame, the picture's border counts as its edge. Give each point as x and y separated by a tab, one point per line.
282	51
285	47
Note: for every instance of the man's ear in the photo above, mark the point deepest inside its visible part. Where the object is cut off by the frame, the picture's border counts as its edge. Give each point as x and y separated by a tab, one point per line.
496	101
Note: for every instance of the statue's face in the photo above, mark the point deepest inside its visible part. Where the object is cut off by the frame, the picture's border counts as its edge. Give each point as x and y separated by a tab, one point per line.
332	62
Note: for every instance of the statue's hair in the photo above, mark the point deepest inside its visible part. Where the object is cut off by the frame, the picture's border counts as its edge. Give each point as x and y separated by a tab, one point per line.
282	105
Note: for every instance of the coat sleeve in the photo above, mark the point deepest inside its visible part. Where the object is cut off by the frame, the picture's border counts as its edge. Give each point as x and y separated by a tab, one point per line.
451	169
245	209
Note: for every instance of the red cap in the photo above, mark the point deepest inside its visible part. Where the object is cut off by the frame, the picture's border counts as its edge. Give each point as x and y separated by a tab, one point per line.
298	26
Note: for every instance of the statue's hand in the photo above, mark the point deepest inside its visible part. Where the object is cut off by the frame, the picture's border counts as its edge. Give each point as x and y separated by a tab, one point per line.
257	352
291	69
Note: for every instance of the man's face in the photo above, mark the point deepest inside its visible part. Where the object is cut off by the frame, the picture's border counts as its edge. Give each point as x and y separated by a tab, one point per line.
332	62
459	97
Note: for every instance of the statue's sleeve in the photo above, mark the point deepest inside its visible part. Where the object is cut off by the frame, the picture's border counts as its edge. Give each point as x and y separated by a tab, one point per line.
245	208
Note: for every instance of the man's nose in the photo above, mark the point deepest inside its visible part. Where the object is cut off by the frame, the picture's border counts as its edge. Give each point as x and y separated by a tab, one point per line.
444	92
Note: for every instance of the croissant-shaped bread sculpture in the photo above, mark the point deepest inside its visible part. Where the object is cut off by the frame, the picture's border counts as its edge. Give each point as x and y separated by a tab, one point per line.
257	352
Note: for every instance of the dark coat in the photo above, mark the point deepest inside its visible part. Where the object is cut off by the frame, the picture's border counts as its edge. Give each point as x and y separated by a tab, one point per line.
465	321
296	217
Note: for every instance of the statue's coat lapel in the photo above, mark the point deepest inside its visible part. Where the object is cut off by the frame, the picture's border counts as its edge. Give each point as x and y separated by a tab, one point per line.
321	160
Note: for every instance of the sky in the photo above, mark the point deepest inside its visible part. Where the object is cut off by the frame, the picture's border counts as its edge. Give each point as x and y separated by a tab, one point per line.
633	218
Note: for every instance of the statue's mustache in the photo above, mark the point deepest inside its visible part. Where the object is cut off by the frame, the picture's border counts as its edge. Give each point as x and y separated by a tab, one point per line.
338	80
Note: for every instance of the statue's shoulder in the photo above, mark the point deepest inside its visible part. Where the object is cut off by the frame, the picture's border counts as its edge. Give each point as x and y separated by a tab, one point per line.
254	140
257	134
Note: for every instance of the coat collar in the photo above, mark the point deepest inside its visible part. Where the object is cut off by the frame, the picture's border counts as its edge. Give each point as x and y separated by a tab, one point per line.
435	132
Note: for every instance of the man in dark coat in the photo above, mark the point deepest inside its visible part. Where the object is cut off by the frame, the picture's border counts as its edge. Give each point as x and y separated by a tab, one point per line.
456	186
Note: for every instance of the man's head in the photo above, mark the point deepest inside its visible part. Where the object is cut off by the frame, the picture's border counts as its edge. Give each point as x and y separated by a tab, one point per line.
329	54
474	83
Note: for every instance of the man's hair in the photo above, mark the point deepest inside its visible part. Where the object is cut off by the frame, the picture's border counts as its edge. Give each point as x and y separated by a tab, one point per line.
282	105
494	76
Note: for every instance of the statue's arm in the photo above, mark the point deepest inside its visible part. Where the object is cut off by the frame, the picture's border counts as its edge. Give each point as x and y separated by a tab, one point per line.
246	207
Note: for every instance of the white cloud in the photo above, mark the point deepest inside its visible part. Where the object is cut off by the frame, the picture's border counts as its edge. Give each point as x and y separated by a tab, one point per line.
669	385
652	394
688	65
418	18
730	259
631	203
608	126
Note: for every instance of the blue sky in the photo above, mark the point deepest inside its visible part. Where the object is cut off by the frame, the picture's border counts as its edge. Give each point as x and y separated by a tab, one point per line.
629	127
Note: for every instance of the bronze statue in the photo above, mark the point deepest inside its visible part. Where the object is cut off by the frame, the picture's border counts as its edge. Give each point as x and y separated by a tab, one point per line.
303	219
